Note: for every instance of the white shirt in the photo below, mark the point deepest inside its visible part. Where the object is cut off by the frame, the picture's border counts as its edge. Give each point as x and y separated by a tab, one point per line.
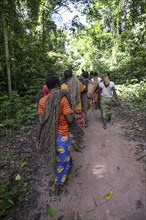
107	91
99	79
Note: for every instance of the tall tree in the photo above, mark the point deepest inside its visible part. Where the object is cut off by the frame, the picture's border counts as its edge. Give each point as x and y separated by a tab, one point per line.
6	44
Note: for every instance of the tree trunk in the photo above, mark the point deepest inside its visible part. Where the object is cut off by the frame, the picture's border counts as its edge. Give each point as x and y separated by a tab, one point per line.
6	45
13	17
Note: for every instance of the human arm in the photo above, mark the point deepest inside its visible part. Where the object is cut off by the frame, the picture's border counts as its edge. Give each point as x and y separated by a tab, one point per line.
41	108
82	87
67	111
101	86
83	82
69	118
115	95
38	127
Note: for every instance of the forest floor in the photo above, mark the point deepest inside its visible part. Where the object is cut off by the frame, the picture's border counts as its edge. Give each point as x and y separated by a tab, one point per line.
113	162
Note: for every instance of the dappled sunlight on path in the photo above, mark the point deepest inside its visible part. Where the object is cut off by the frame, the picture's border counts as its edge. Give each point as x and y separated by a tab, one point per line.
107	164
99	170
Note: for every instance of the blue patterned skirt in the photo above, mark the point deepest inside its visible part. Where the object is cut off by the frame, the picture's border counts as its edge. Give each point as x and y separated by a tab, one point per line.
63	158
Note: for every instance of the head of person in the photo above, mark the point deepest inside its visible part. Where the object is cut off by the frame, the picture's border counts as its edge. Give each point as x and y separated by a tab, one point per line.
52	82
68	74
85	74
95	74
91	73
82	70
50	74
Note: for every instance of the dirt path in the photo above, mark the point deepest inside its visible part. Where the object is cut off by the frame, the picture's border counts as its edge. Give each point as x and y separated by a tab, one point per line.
107	163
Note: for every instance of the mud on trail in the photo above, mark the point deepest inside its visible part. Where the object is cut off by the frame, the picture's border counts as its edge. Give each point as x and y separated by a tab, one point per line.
107	181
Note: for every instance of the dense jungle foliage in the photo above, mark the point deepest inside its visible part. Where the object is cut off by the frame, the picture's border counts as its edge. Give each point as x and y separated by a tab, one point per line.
32	45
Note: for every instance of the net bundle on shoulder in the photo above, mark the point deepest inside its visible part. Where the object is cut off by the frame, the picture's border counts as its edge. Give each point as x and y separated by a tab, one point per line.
74	90
50	123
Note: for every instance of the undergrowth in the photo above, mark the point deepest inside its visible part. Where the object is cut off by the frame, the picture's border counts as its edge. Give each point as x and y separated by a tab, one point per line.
133	103
17	113
133	96
17	119
14	188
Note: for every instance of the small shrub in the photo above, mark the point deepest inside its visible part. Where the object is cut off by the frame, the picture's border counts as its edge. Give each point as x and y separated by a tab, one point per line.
17	111
11	195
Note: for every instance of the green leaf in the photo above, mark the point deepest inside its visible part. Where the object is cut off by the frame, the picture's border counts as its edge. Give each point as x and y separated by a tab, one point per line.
23	165
142	178
18	177
108	195
10	201
51	212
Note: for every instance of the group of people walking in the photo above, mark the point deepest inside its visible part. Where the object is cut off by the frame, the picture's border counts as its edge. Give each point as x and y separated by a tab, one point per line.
63	114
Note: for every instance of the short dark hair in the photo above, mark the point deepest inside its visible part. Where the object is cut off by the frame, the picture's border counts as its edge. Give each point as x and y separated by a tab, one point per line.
67	73
91	73
50	74
95	74
51	81
85	74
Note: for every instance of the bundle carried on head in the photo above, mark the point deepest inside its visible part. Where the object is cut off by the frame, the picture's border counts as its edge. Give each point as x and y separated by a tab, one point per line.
92	86
105	78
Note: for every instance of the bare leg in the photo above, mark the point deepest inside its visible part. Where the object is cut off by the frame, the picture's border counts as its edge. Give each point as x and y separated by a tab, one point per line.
109	119
104	123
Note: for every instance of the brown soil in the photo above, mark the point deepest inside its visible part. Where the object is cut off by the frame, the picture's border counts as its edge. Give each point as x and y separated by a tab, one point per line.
108	163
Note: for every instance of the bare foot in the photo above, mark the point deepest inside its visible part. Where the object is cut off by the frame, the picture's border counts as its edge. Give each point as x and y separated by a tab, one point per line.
104	126
58	193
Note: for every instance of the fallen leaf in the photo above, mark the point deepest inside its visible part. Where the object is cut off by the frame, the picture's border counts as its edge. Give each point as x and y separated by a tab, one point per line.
18	177
51	212
108	195
10	201
23	165
142	178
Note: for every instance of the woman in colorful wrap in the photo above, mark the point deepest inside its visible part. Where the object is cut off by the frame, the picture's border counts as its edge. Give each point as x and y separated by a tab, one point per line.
84	98
75	88
106	94
55	116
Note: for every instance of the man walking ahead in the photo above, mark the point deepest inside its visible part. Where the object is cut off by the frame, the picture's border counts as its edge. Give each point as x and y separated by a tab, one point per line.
54	116
107	90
